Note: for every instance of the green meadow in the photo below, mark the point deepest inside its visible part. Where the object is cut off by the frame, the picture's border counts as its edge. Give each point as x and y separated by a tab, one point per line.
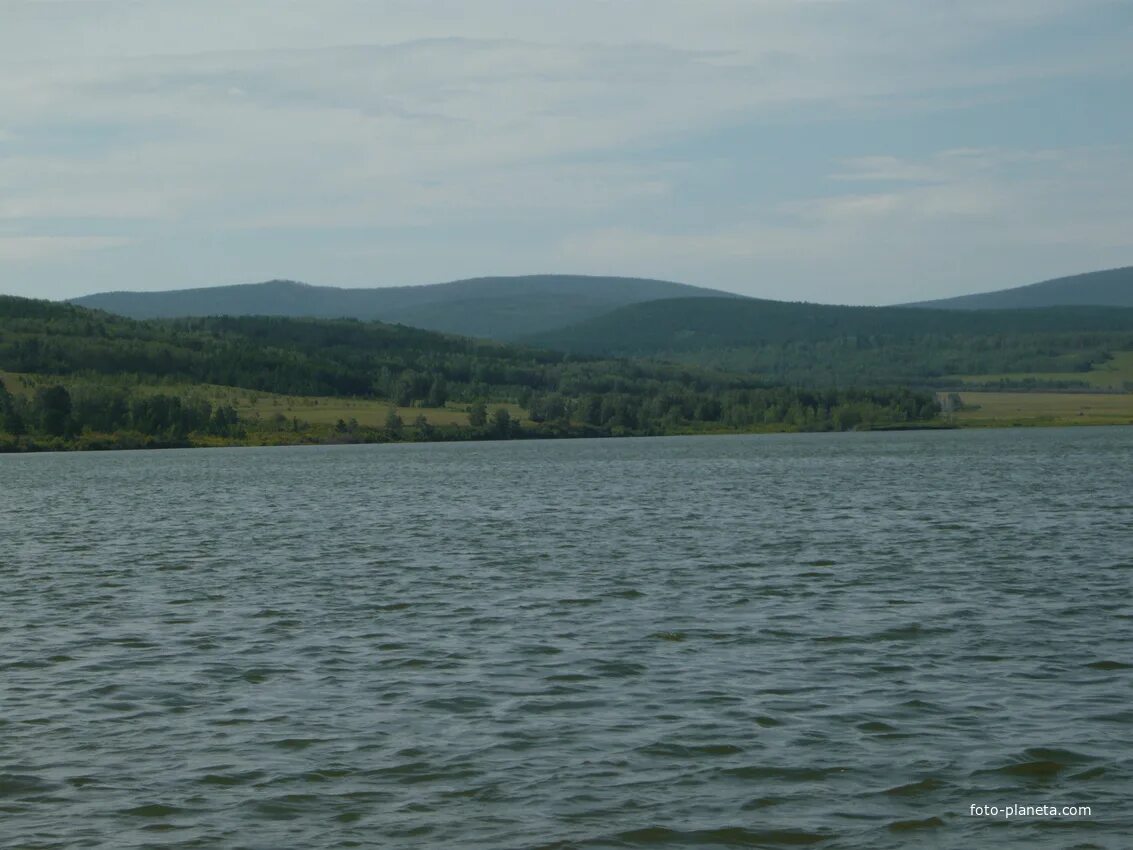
990	409
254	406
1105	397
1115	374
327	410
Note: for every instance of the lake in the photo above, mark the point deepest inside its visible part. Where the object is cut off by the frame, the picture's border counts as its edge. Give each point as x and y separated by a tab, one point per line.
840	641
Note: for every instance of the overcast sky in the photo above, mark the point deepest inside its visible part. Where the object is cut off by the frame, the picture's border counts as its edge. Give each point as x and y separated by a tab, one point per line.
849	151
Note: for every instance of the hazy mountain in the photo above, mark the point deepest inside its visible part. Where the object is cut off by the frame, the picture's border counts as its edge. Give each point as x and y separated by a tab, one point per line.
492	307
1112	288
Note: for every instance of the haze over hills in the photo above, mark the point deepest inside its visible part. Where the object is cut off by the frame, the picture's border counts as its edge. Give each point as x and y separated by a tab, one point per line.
1113	287
493	307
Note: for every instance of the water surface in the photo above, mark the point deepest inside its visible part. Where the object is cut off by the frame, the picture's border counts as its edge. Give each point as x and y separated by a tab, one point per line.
841	641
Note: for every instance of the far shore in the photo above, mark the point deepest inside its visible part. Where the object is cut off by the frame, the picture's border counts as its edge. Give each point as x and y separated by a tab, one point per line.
102	443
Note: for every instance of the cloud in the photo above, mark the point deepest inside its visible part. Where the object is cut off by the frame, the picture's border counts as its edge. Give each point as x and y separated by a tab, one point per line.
983	218
411	133
476	121
103	28
26	248
235	134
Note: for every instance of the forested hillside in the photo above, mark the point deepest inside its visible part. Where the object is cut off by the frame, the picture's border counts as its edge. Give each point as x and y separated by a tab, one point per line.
107	368
1113	287
824	345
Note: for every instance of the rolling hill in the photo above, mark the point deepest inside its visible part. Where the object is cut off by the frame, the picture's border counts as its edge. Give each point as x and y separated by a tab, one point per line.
72	378
798	343
695	324
1113	288
500	308
821	344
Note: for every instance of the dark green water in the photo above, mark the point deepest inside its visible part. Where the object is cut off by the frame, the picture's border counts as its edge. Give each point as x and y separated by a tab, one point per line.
842	641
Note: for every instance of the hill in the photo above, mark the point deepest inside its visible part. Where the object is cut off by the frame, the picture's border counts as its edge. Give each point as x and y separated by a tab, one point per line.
825	345
1113	288
84	374
490	307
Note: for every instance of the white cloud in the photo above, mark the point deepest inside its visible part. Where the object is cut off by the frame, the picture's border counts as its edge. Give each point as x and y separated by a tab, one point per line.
25	248
104	28
422	129
370	123
976	219
221	119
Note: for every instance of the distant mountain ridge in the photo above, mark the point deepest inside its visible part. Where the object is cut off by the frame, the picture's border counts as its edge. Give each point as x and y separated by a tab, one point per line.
610	313
501	308
1109	288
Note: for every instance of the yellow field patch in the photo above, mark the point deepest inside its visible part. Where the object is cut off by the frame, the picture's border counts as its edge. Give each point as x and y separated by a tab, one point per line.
19	383
1115	374
253	404
982	408
328	410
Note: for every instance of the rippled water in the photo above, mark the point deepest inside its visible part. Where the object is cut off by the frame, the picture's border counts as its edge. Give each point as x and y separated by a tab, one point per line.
832	640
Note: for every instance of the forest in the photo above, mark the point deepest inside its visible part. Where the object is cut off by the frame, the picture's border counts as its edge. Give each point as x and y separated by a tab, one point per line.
826	345
80	378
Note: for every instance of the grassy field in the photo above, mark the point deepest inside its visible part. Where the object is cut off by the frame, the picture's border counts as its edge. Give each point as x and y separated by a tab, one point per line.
252	405
327	411
1115	374
1006	409
17	383
979	409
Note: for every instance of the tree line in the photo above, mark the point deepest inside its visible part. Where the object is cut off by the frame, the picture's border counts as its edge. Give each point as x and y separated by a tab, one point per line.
54	411
118	376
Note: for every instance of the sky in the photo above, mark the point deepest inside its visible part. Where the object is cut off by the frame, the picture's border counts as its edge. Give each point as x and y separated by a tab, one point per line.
842	151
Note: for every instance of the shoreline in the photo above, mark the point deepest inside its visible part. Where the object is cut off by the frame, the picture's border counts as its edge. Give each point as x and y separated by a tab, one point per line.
20	447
